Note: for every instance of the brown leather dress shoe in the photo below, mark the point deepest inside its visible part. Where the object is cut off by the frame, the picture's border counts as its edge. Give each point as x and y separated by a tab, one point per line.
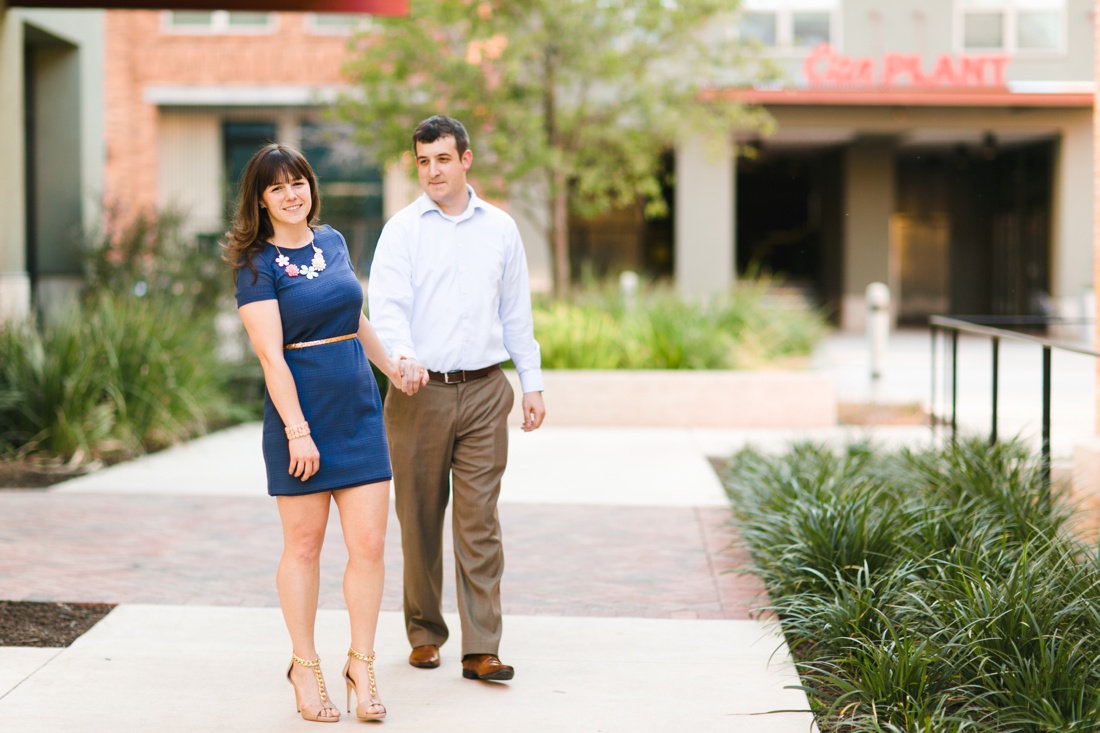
425	657
486	667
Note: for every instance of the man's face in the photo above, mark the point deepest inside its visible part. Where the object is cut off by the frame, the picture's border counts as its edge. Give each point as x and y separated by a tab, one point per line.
442	173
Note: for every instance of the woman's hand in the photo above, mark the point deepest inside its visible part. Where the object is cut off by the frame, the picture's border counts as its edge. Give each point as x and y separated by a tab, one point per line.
305	459
409	375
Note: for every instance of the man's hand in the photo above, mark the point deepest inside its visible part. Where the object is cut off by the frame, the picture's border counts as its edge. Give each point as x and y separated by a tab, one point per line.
411	375
533	411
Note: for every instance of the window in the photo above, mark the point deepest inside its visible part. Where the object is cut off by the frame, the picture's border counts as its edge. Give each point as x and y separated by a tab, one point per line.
790	25
337	24
1012	26
350	186
218	21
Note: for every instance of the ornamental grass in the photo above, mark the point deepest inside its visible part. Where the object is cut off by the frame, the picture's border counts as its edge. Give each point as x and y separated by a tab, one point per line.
752	327
934	589
110	379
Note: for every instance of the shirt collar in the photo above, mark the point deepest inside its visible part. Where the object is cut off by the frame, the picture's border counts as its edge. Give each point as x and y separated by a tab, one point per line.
425	204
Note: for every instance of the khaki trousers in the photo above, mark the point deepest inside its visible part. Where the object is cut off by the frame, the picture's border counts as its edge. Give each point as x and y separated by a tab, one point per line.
448	434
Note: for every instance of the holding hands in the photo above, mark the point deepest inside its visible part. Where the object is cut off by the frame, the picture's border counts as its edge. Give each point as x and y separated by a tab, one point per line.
410	375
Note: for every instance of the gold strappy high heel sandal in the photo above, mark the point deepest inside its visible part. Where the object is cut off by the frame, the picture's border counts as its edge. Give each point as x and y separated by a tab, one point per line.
371	702
312	715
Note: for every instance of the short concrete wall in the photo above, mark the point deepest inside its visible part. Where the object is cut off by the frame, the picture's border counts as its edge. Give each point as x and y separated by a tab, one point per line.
686	398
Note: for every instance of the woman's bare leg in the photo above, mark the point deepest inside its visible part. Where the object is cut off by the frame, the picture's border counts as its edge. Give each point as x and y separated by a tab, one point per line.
298	580
364	511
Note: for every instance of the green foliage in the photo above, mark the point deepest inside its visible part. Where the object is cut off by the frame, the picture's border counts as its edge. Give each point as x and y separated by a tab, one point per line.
577	98
594	88
597	329
147	254
925	590
132	366
110	379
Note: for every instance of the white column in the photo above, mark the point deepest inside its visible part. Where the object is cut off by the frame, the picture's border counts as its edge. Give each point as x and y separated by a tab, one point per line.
868	206
705	215
1072	227
15	288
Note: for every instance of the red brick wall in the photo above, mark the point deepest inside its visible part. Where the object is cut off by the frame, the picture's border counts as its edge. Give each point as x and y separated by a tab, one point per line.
140	53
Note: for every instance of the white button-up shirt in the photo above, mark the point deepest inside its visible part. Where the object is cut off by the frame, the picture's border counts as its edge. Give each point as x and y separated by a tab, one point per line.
453	291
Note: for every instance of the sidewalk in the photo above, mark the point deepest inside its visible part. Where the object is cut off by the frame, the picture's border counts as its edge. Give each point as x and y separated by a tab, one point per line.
621	613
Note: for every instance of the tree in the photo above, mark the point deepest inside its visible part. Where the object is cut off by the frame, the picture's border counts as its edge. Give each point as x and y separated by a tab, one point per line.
575	98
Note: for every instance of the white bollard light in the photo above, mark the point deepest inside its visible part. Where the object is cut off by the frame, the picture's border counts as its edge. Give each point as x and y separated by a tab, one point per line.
628	284
878	327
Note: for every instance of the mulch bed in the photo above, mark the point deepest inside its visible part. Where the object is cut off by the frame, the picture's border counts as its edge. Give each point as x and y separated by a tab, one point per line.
15	475
38	624
30	623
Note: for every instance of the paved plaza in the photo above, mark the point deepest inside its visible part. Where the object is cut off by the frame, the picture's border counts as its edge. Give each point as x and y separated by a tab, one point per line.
624	607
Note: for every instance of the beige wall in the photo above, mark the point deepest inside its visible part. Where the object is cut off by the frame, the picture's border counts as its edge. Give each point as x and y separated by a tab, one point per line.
1096	207
189	175
868	206
705	230
1072	233
14	283
67	159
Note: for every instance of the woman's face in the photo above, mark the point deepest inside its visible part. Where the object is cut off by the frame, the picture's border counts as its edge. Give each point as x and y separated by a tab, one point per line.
288	202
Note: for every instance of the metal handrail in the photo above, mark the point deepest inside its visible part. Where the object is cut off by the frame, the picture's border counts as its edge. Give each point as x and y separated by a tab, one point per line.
987	326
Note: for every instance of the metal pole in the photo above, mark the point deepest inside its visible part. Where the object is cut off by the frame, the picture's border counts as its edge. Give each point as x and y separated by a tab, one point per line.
996	362
932	402
954	384
1046	422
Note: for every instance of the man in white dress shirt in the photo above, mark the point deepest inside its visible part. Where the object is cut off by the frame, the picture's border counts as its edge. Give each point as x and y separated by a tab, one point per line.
449	290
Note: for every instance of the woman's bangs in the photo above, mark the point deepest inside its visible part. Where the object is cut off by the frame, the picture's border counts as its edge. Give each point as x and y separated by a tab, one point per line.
280	166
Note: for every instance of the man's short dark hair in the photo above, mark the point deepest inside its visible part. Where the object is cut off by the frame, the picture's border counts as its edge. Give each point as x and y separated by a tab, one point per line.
439	126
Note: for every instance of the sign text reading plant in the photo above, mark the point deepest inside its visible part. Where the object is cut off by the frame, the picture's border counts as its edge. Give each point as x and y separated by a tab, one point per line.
823	67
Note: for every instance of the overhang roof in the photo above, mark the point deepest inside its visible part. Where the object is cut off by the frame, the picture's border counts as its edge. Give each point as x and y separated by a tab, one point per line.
373	7
908	97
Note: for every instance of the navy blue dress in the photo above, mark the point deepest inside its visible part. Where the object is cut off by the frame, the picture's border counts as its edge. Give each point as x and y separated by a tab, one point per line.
336	387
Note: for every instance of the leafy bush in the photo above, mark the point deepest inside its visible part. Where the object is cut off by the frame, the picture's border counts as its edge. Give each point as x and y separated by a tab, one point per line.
111	379
597	329
147	254
926	590
135	364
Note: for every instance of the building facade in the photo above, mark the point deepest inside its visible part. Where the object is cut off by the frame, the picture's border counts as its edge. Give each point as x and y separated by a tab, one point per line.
51	146
142	109
943	147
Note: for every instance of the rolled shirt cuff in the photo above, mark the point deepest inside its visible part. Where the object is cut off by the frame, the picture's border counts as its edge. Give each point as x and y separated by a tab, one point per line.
531	380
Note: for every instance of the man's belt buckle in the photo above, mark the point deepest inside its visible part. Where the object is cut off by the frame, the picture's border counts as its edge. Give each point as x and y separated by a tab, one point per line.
459	377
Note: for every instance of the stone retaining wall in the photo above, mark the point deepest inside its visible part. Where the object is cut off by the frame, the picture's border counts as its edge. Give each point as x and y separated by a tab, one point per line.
685	398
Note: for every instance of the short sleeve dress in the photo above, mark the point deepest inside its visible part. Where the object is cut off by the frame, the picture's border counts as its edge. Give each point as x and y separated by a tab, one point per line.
336	386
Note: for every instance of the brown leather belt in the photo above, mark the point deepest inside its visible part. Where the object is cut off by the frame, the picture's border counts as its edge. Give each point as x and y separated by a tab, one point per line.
458	376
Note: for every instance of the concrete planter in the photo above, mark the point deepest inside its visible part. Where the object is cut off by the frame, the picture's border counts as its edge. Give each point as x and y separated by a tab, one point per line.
684	398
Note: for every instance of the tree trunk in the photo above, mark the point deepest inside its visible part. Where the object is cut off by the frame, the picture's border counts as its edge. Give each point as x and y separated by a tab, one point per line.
559	234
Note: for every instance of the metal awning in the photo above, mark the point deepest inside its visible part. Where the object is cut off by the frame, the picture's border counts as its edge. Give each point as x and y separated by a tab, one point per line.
373	7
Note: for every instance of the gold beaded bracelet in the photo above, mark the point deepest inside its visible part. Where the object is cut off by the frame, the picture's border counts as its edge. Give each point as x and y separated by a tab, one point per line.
300	430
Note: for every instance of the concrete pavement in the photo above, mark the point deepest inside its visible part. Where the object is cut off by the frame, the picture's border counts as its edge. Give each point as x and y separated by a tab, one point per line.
621	613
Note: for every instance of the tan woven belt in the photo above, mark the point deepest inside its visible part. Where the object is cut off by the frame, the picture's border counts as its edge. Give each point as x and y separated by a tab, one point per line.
319	342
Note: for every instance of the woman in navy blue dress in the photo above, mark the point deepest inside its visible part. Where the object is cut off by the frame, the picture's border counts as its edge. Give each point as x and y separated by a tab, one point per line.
323	437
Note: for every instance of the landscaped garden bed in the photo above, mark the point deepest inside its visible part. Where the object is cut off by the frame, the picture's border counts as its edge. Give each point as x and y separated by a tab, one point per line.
927	590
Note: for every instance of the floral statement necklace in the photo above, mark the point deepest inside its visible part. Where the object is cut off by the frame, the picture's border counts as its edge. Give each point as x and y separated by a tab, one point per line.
312	270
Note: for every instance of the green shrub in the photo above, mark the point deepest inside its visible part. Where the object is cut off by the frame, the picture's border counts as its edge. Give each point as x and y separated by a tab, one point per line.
925	590
597	329
147	254
112	378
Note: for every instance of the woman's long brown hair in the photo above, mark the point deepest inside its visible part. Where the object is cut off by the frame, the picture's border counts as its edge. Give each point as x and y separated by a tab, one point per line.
251	229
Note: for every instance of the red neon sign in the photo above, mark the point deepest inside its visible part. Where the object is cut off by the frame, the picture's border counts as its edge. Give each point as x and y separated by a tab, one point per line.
823	67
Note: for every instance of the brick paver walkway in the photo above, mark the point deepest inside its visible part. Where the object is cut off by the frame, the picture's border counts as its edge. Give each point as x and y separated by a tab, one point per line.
561	560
